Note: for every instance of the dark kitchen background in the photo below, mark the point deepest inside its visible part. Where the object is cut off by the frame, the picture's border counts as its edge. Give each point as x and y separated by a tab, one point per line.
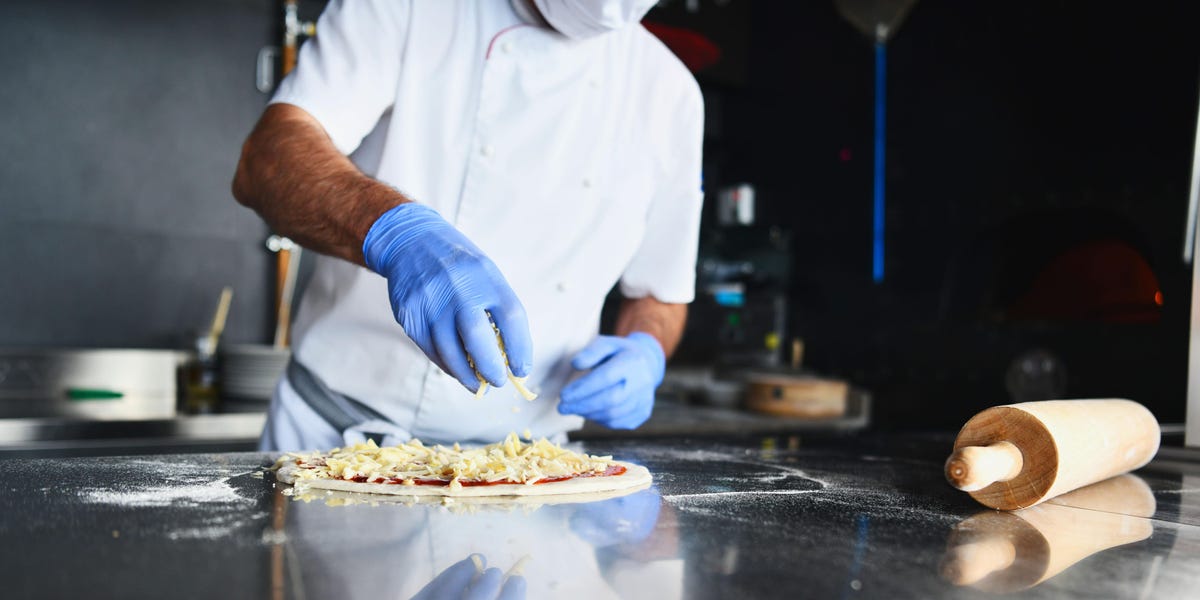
1038	155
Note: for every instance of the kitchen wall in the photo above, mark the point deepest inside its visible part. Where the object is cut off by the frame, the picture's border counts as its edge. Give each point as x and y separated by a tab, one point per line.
122	122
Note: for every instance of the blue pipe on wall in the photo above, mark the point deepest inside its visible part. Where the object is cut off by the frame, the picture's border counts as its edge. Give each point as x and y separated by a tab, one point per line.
880	102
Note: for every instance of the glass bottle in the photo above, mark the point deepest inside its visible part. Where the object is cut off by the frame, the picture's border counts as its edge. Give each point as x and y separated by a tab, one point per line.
201	381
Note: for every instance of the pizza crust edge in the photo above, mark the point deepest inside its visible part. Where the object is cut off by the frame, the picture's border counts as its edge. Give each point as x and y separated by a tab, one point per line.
635	476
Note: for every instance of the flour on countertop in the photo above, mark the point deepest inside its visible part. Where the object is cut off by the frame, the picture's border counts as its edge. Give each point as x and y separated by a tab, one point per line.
715	495
739	478
171	482
190	493
185	498
217	528
676	454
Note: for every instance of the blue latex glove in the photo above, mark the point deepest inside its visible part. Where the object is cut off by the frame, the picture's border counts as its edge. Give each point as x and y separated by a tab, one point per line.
618	392
463	580
442	288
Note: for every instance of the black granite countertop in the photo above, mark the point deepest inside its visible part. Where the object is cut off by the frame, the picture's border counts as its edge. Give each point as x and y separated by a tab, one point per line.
773	517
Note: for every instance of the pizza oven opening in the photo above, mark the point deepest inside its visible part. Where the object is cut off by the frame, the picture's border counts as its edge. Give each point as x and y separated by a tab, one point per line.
1069	266
1104	279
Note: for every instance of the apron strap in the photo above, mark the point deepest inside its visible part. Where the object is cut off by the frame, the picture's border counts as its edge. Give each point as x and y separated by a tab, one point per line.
339	410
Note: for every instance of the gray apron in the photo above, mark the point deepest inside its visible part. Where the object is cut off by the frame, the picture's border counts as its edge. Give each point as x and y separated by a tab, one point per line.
339	410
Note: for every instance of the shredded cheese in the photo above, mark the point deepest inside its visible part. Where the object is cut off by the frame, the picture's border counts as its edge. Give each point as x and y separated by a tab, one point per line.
508	461
518	382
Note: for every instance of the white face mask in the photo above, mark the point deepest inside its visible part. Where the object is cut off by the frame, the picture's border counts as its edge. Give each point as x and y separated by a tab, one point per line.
579	19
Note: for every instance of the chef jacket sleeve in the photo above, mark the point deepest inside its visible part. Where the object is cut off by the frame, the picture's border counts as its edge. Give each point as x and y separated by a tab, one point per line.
346	76
664	265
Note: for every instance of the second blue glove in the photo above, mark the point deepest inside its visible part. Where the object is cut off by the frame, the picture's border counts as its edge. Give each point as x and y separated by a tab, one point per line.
442	289
618	391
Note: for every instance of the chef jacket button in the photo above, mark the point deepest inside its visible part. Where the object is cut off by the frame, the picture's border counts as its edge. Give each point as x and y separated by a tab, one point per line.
487	150
587	183
506	47
562	286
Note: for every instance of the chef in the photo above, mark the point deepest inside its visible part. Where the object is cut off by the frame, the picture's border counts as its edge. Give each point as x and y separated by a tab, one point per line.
472	166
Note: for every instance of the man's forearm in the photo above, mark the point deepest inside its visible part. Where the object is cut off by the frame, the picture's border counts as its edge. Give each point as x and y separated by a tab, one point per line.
293	176
662	320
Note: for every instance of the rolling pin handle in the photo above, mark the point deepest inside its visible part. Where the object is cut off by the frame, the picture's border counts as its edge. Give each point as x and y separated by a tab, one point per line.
973	468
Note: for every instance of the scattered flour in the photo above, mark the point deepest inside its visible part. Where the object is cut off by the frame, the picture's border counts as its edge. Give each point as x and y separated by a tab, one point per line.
200	533
736	478
206	502
216	528
714	495
156	482
690	454
183	494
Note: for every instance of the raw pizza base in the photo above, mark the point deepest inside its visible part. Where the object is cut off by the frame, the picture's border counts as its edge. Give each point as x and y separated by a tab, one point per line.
634	478
474	503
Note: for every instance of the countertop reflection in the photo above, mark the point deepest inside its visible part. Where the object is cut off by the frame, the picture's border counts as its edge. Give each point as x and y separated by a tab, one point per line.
1011	551
477	548
759	518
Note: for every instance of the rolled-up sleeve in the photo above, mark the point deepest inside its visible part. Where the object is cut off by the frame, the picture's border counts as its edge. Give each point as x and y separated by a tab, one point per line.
664	265
346	76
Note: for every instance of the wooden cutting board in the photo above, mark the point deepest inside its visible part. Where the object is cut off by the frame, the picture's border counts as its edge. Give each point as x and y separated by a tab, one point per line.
796	396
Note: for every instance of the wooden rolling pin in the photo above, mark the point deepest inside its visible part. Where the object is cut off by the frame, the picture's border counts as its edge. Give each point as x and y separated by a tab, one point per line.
1008	552
1018	455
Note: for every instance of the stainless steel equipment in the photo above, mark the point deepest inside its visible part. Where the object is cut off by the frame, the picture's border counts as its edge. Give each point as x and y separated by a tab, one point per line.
738	317
89	384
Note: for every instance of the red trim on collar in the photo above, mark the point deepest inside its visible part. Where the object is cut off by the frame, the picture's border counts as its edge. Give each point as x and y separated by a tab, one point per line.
500	33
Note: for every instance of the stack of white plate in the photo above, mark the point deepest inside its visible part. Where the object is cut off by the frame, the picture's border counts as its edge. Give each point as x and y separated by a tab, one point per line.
250	371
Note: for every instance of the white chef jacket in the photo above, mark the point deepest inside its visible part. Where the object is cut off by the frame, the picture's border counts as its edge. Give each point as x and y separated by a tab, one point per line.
572	164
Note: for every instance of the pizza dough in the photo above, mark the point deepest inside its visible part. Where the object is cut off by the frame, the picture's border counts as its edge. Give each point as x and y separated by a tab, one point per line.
634	478
469	504
508	468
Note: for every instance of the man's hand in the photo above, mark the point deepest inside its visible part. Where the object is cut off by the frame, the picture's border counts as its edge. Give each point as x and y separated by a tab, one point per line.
618	391
442	289
441	286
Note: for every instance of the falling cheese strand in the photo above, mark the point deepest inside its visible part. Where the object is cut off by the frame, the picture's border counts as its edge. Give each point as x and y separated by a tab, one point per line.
518	382
509	461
